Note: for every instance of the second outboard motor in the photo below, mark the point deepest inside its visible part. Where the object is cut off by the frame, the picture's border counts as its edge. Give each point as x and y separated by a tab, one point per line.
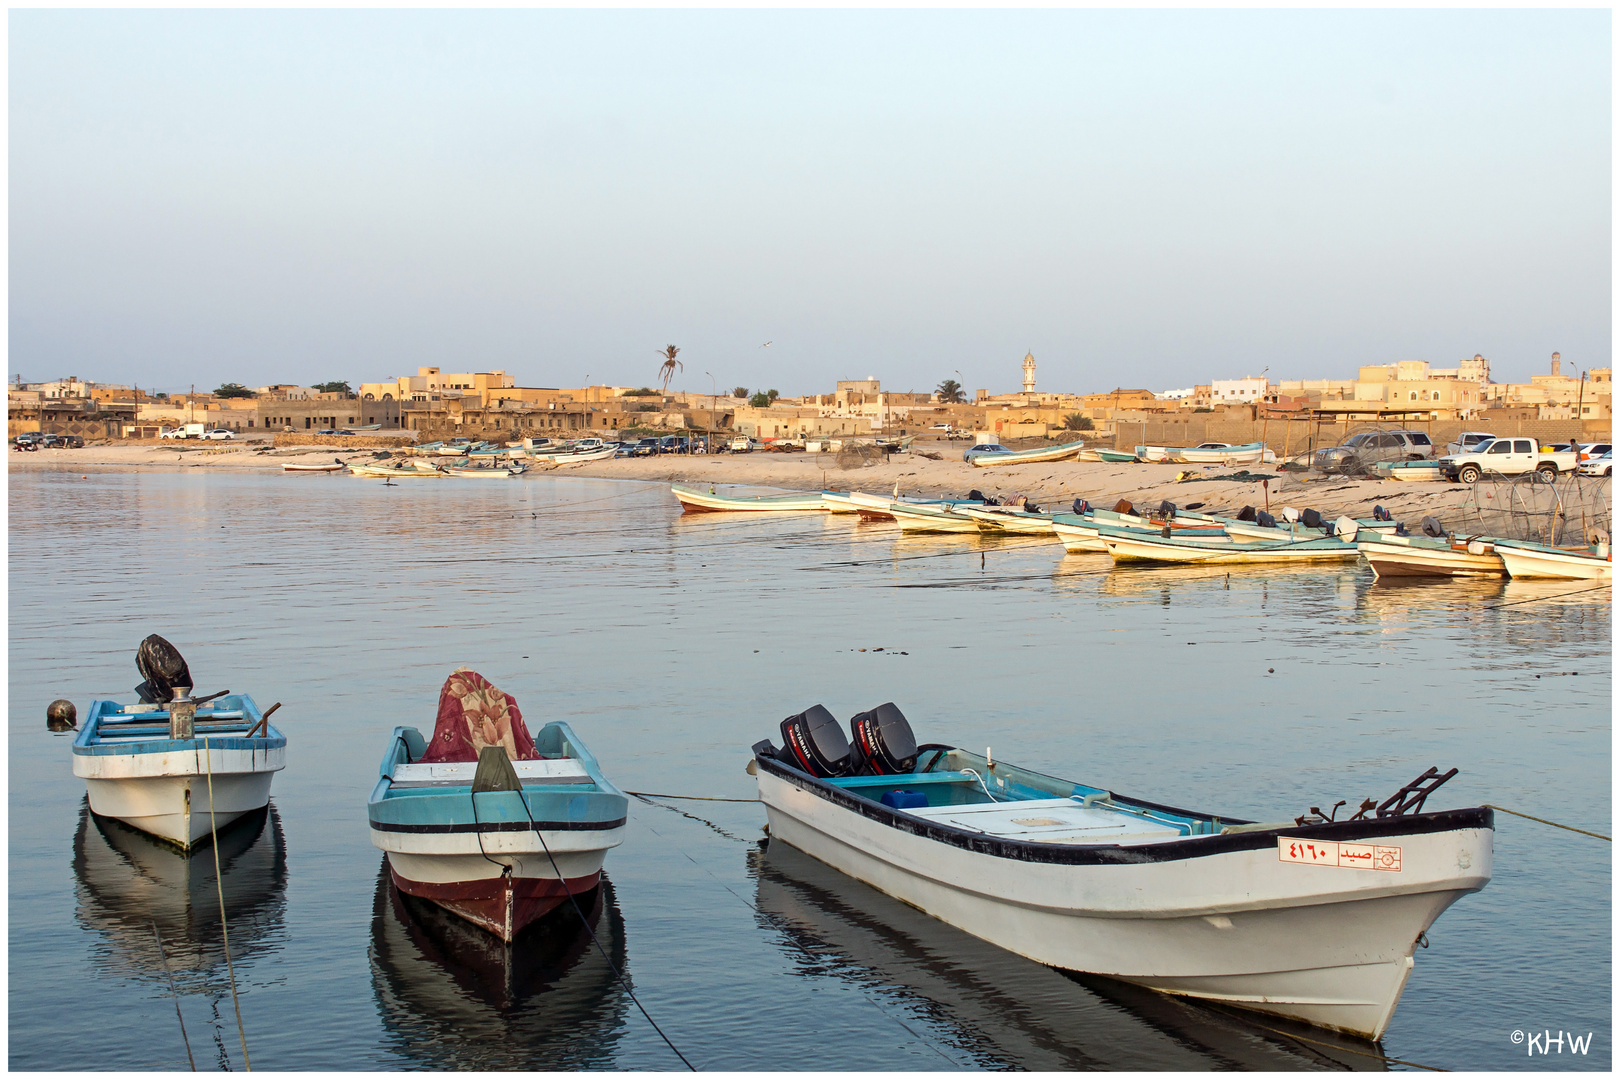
884	743
1082	507
163	668
1264	520
1310	519
1246	514
815	743
977	496
1380	514
1431	527
1167	510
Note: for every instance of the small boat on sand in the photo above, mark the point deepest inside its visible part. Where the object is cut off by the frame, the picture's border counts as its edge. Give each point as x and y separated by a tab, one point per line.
487	822
1527	559
708	500
325	466
1097	453
1025	457
178	768
1209	453
1427	469
422	469
1309	918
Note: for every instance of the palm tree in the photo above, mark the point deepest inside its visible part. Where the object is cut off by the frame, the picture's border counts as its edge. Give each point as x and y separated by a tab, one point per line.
666	370
950	393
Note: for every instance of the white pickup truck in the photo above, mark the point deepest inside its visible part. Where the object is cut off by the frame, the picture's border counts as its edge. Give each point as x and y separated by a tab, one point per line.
1507	457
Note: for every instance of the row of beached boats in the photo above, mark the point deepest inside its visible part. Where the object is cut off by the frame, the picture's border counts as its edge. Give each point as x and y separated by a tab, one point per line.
1169	535
1210	453
1305	917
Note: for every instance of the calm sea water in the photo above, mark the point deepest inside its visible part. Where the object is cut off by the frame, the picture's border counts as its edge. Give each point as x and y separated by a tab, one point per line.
673	643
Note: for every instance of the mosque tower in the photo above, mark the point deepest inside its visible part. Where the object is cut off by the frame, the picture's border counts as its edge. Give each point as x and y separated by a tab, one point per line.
1029	373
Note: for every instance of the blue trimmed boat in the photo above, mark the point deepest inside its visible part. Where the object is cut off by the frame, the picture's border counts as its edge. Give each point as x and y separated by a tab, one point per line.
496	841
179	771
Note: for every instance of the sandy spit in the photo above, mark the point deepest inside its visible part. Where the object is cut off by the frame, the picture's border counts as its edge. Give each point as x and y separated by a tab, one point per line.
1053	485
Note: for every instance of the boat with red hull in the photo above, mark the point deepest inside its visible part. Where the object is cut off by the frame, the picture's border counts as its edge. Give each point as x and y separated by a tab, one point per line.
488	823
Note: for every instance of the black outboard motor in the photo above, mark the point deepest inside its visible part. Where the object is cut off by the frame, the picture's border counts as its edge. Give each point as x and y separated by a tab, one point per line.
815	743
1264	519
163	668
1310	518
884	744
1432	527
1246	514
1167	510
1380	514
977	496
1031	508
1082	507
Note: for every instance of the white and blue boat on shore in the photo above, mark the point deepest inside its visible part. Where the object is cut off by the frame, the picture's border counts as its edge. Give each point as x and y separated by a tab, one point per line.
1309	918
180	771
497	841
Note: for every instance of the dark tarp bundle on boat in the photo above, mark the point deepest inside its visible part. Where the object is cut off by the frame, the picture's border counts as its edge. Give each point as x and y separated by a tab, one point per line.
473	714
163	668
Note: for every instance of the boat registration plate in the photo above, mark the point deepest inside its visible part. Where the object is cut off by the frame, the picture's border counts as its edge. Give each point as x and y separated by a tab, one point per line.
1317	853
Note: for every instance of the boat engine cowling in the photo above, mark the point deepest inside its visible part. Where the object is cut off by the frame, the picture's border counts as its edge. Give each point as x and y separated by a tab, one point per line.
1264	520
1167	510
1310	518
163	668
883	741
815	743
1082	507
1431	527
1246	514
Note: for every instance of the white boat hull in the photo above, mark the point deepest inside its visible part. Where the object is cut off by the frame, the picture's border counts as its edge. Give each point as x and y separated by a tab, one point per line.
1389	559
167	794
1126	548
920	522
1572	565
1330	946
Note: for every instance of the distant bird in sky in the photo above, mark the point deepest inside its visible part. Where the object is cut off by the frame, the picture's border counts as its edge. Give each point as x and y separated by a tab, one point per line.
766	345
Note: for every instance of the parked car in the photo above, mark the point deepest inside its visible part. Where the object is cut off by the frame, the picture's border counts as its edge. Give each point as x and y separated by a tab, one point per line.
675	444
323	431
1468	441
73	442
51	442
28	440
218	434
984	448
1602	465
742	444
1359	453
1507	457
1587	451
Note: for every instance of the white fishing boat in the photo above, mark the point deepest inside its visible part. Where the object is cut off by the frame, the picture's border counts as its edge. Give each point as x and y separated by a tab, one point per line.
177	768
1025	457
917	518
1422	470
1006	519
1390	555
385	471
1307	918
481	472
708	501
487	822
575	457
1081	533
1527	559
1134	545
325	466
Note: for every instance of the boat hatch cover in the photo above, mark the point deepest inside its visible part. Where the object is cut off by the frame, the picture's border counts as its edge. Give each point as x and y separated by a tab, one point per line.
1052	821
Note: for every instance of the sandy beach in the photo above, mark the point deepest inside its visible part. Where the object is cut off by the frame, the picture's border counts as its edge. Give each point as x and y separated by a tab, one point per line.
1053	485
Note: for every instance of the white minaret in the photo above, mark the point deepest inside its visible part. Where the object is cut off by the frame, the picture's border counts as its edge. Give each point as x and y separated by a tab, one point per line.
1029	373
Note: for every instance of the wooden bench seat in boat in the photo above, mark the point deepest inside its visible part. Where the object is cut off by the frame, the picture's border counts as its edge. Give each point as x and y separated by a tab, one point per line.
460	773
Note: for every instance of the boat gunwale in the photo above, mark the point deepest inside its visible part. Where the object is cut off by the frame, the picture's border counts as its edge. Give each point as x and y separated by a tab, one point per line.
88	742
1190	847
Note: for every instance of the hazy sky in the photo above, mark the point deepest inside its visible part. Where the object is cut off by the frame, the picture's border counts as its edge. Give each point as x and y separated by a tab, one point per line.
1143	198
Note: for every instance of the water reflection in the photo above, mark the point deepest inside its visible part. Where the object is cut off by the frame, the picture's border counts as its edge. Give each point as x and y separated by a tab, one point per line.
127	881
454	997
1001	1009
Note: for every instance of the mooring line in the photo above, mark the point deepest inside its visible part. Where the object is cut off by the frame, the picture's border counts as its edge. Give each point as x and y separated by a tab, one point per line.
694	798
164	957
219	883
1544	821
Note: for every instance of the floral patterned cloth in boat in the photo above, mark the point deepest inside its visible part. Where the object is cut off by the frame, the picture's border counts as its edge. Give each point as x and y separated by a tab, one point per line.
473	714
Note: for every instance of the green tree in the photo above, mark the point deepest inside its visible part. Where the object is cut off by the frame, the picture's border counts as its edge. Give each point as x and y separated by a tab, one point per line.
739	391
760	400
645	391
950	392
773	395
333	388
233	390
1076	422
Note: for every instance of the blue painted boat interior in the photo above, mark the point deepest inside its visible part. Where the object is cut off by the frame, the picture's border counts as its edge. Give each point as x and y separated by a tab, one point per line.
960	778
225	722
